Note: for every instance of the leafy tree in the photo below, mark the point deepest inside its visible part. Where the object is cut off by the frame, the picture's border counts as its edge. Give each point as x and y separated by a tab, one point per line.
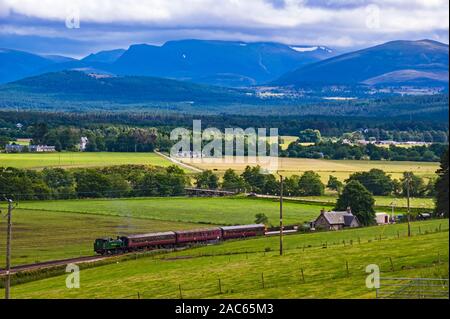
442	195
416	185
397	187
271	185
310	136
232	181
290	186
39	132
335	184
207	179
310	184
58	177
430	188
4	140
254	179
360	200
375	180
92	183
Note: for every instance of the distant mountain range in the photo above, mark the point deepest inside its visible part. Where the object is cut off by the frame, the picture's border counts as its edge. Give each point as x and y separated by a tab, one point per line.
223	63
420	63
217	62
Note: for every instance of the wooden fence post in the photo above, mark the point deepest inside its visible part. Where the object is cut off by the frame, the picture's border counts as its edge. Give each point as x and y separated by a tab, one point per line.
303	275
346	266
179	288
392	264
262	280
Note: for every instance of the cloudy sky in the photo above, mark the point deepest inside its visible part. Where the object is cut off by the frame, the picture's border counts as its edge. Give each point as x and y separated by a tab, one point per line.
79	27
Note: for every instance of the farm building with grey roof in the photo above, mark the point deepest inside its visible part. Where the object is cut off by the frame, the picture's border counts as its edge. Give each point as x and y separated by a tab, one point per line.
336	220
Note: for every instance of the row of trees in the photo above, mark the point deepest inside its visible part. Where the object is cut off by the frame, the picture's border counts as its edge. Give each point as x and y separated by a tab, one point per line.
339	151
252	180
103	138
376	134
309	183
114	181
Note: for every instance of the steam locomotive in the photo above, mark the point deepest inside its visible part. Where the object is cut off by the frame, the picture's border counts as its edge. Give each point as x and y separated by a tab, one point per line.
171	239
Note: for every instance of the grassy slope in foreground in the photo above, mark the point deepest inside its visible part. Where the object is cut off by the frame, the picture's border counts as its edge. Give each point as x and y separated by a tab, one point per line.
219	211
48	235
77	159
240	274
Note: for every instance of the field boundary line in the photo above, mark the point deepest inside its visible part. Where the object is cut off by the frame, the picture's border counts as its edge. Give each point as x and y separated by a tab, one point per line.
190	167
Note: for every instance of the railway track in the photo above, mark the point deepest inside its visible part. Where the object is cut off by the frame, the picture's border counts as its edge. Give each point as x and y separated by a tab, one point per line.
53	263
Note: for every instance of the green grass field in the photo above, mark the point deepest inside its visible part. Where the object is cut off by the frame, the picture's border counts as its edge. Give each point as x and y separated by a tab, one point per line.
77	159
47	230
219	211
48	235
242	265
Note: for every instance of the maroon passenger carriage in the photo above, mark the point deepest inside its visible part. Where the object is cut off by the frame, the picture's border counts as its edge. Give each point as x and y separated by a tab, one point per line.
153	240
198	235
231	232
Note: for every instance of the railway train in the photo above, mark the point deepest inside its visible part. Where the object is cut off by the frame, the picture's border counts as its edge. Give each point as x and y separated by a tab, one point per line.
171	239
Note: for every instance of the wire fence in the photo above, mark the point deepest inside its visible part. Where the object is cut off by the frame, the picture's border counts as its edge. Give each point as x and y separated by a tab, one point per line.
257	282
412	288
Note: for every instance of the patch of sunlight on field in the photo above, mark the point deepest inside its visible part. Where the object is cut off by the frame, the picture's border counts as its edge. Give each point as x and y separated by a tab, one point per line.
78	159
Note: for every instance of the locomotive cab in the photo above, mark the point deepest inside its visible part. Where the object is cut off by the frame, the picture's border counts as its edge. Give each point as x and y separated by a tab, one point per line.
108	245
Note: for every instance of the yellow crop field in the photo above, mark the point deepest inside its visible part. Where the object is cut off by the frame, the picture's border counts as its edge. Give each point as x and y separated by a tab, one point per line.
339	168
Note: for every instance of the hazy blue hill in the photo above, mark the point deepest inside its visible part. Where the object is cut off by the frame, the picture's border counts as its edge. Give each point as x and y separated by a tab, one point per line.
73	85
59	58
215	62
104	56
423	62
16	64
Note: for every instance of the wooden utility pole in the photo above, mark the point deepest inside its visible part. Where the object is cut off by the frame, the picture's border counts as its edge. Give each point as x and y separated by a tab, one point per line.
408	185
281	215
8	250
